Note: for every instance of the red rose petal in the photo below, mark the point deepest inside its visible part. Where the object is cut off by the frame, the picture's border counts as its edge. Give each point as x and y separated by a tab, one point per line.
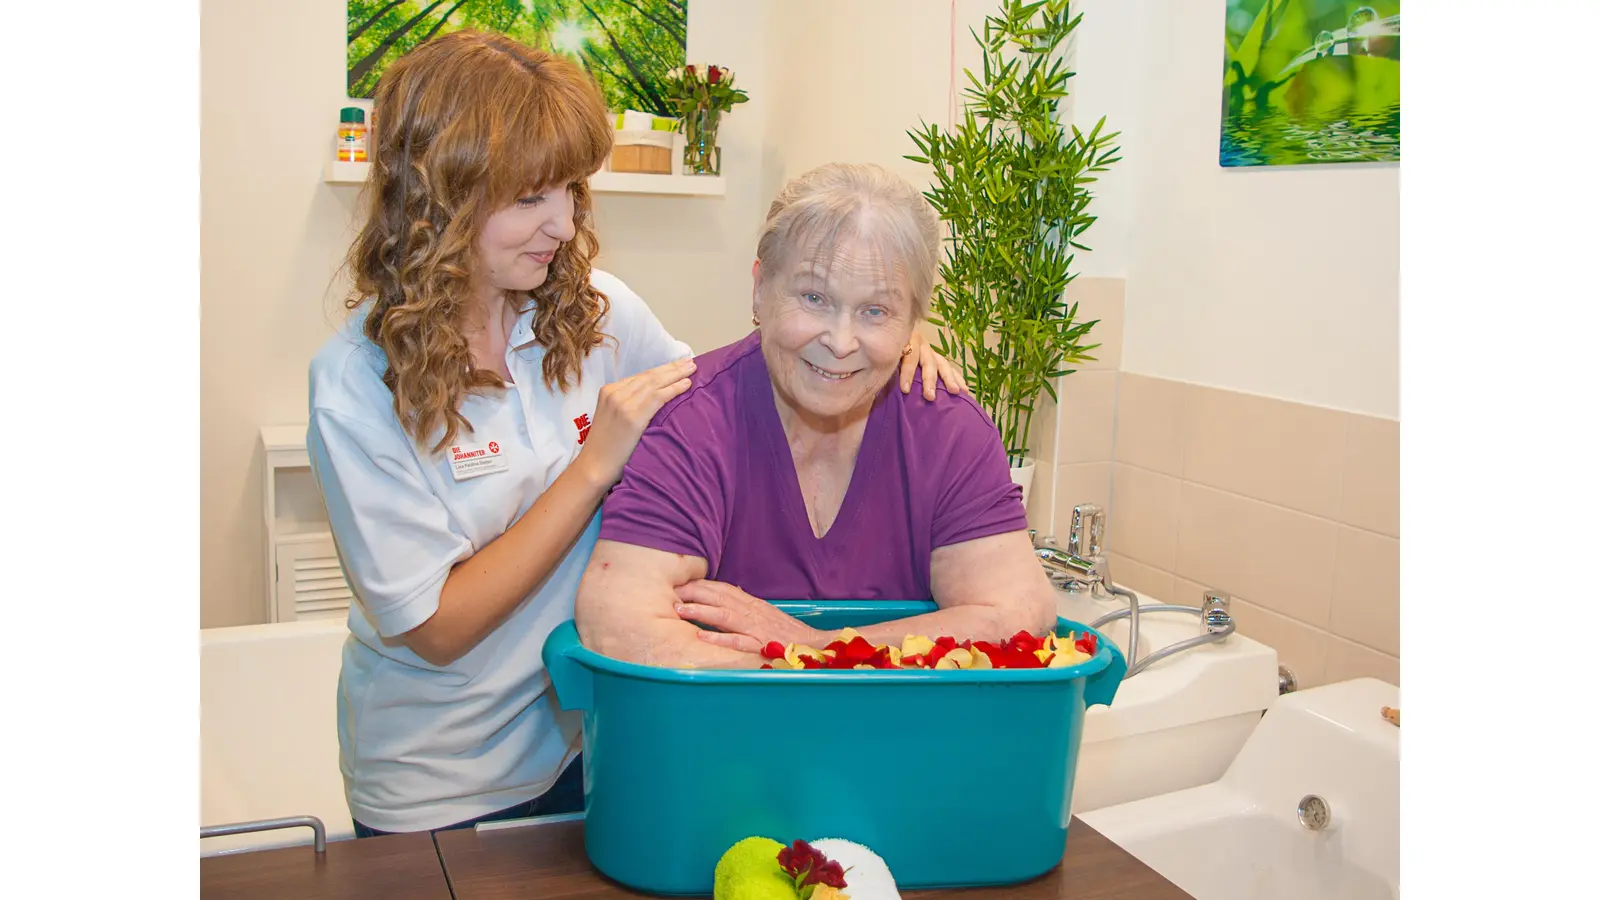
859	650
947	642
1023	641
773	650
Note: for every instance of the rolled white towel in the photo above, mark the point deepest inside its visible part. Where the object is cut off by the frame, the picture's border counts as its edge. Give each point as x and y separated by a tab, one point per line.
867	874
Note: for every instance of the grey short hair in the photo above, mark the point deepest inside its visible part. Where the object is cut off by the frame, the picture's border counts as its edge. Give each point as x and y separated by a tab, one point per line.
832	200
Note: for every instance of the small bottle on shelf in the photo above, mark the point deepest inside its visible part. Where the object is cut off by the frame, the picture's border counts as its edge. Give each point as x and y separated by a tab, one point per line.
352	135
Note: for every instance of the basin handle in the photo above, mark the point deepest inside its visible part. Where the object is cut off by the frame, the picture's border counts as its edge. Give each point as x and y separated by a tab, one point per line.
572	680
1101	687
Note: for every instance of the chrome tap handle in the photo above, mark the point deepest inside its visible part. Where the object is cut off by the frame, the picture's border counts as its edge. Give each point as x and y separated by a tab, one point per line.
1088	531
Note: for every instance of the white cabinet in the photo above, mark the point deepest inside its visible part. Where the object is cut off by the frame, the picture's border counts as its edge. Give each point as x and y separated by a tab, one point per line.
304	578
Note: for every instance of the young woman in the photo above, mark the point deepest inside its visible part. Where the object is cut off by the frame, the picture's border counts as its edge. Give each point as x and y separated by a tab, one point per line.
465	424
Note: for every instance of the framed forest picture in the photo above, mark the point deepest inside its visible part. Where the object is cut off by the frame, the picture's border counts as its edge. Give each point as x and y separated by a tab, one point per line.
628	46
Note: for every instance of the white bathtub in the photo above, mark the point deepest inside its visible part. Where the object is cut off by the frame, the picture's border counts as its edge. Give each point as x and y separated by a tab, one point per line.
1178	723
1240	838
268	745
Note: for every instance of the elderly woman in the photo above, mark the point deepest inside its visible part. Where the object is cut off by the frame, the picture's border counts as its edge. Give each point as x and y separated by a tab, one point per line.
790	470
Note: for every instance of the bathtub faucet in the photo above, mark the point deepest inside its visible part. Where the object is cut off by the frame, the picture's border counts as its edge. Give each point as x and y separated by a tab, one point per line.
1081	566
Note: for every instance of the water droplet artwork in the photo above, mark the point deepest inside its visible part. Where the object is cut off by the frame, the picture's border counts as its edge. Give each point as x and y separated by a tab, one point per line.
1308	82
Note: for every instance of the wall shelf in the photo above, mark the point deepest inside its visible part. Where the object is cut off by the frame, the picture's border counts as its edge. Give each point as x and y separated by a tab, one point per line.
355	173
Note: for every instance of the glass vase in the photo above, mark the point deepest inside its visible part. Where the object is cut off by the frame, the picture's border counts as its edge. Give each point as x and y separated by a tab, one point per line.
701	155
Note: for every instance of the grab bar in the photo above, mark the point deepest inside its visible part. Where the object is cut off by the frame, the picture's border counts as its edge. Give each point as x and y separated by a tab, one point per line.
319	835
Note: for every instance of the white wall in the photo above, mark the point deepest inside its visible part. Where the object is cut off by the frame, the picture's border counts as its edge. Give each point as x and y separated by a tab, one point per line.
852	78
272	237
1282	282
272	81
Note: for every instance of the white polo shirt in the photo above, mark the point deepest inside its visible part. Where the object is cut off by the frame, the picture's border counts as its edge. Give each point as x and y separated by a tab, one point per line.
423	746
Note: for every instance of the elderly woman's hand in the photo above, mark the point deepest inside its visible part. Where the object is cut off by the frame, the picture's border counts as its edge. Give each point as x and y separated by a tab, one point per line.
919	354
746	623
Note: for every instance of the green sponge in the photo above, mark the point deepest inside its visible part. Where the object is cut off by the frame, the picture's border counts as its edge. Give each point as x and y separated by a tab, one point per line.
750	871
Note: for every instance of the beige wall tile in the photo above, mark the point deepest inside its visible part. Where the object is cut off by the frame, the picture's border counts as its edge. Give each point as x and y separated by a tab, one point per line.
1366	590
1143	522
1303	649
1372	475
1088	409
1080	483
1136	576
1189	593
1281	559
1042	431
1211	546
1148	431
1041	497
1347	660
1100	298
1288	454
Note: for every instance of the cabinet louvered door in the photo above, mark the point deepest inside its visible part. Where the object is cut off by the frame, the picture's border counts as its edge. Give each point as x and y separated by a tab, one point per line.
311	584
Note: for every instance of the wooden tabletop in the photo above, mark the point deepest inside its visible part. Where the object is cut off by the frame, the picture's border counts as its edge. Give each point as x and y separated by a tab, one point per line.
548	861
397	867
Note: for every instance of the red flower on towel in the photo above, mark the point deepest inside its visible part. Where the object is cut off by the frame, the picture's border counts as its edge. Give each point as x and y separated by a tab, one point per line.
809	867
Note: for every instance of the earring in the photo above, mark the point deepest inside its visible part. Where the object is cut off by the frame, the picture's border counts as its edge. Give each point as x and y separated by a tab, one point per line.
755	321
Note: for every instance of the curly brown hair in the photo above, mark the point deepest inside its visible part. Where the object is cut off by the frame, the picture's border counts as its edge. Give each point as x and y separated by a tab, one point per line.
463	125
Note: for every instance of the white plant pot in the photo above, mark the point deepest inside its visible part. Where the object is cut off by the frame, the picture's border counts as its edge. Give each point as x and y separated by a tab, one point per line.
1023	475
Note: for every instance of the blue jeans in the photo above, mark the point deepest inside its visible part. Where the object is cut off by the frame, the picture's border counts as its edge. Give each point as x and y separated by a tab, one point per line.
565	796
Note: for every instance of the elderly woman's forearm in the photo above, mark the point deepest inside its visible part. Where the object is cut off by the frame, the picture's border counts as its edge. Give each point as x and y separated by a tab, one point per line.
668	644
626	611
969	622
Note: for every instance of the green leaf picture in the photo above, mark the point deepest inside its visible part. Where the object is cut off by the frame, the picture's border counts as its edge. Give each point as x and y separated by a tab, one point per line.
628	46
1311	81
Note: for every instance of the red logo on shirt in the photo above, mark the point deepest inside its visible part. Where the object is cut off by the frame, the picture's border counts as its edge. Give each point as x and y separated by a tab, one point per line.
493	447
583	424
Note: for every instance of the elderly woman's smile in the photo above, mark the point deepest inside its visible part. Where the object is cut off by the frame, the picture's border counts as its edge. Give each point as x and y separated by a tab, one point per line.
833	324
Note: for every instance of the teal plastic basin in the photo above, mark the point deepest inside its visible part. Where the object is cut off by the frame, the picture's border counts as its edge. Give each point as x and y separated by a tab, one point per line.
957	778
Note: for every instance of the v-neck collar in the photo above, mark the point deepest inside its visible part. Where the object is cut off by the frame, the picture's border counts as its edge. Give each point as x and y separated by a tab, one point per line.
791	502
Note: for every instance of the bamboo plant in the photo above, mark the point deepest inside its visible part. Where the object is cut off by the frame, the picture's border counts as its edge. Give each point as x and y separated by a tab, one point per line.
1012	185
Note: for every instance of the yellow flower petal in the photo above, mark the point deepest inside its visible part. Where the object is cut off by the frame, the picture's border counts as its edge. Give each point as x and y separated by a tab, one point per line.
915	644
945	662
848	635
961	656
894	655
981	660
781	663
1042	654
795	651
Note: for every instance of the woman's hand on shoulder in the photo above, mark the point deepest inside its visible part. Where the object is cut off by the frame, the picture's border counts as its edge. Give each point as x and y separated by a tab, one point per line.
935	368
622	413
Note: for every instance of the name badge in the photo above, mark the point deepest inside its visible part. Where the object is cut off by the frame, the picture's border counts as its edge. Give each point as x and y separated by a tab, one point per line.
472	460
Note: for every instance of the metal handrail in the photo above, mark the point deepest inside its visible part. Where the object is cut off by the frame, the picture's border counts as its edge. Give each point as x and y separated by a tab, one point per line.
319	835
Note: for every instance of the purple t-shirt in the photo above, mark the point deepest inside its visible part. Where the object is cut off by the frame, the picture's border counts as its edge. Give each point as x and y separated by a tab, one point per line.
713	477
